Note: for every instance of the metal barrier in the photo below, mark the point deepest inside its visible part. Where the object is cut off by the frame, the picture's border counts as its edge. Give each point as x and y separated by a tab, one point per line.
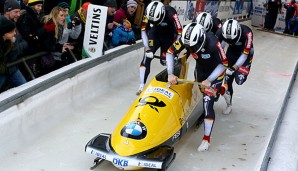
19	97
39	54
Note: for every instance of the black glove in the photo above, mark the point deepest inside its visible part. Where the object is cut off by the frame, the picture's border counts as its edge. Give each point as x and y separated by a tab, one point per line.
133	41
69	25
76	21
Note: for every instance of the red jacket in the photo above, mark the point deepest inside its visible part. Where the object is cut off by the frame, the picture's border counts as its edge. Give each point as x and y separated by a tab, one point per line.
295	12
120	15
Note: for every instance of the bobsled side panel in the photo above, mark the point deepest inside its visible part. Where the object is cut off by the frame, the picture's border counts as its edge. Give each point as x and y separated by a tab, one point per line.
156	116
150	121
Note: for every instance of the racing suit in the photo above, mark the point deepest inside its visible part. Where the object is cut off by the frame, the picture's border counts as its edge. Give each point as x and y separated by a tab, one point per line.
211	64
158	36
239	54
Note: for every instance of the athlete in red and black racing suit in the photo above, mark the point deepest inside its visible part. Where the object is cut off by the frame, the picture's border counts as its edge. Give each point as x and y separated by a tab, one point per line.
210	67
240	55
158	36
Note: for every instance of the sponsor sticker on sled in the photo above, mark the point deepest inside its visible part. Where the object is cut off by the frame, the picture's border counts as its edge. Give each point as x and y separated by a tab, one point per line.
120	162
160	90
148	165
98	154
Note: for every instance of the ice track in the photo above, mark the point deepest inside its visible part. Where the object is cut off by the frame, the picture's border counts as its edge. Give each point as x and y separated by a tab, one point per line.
48	131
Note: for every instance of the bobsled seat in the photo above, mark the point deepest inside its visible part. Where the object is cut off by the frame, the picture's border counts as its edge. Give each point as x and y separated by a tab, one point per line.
163	76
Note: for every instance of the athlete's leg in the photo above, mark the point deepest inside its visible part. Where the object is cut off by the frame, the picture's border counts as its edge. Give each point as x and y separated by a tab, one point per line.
208	103
146	62
165	43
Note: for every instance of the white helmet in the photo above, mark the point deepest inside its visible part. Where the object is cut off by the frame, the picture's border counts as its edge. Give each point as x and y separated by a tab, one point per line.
231	31
155	12
205	19
193	37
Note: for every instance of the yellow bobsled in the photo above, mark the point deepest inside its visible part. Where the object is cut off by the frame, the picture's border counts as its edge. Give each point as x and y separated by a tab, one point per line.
157	119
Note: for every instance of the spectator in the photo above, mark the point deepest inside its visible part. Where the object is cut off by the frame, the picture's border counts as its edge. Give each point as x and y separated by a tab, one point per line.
273	7
123	34
138	19
293	26
54	23
24	3
77	18
13	74
7	39
29	25
110	24
74	26
126	11
66	8
12	10
72	31
292	12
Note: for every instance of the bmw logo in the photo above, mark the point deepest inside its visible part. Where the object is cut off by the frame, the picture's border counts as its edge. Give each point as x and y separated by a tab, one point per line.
134	130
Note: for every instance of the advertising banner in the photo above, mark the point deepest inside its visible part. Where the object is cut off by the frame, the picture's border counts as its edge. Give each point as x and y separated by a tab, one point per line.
258	14
185	10
94	31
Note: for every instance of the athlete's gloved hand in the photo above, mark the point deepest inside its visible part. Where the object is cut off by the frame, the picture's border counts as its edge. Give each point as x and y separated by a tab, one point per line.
149	54
230	71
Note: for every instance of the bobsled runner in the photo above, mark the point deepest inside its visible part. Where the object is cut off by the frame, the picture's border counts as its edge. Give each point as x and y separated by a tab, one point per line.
157	119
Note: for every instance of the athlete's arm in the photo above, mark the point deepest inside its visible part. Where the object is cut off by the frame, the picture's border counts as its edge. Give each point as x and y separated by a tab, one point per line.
144	33
222	63
247	49
175	49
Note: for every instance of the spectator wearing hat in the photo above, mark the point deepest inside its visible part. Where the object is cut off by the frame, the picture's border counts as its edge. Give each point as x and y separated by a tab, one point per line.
74	27
126	11
29	25
7	39
12	10
36	5
78	18
14	76
110	24
123	34
66	8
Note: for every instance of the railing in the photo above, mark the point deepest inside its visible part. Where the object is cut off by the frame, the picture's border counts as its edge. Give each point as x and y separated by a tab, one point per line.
9	100
39	54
